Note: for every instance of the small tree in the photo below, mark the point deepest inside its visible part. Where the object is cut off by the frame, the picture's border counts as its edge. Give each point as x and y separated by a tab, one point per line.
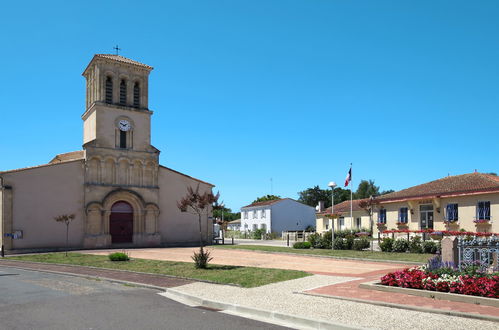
198	203
66	219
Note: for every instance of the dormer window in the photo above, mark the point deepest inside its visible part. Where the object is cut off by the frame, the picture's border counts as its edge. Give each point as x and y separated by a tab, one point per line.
109	90
123	92
136	95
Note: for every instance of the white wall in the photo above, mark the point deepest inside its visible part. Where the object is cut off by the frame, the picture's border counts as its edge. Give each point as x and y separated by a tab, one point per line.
291	215
248	223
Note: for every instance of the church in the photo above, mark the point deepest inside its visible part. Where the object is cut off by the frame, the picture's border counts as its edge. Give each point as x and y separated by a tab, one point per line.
119	193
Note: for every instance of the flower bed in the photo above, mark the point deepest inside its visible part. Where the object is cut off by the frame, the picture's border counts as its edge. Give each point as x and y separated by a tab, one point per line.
422	278
440	232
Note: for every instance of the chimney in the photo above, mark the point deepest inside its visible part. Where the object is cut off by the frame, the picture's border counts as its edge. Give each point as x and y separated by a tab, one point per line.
320	206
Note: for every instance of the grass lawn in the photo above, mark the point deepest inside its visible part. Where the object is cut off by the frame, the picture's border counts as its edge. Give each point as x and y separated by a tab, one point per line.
247	277
375	255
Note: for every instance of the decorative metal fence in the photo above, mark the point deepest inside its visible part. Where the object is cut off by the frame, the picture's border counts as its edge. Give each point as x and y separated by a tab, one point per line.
479	251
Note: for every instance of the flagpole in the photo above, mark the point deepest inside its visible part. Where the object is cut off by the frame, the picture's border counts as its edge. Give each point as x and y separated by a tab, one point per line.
351	196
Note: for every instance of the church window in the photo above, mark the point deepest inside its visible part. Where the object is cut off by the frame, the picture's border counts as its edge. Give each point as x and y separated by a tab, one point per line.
123	92
109	90
123	139
136	95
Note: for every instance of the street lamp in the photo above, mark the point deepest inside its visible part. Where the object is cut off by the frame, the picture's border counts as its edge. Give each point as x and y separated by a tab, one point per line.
222	224
332	185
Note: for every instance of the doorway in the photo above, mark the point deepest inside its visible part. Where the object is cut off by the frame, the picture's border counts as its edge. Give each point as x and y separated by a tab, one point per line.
426	216
121	223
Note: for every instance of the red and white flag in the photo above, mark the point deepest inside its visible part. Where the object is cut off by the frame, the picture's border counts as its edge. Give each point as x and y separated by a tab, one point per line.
348	178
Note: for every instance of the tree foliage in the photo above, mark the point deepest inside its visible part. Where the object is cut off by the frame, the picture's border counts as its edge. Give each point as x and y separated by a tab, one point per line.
312	196
266	198
366	189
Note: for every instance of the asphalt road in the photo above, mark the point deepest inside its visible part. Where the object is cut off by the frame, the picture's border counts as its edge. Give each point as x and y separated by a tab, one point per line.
37	300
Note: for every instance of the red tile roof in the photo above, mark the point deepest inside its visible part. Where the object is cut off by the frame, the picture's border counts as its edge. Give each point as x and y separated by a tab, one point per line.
464	184
344	207
122	59
272	202
265	202
73	155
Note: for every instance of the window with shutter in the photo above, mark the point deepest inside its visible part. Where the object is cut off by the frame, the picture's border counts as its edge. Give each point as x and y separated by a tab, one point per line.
123	92
109	90
483	211
136	95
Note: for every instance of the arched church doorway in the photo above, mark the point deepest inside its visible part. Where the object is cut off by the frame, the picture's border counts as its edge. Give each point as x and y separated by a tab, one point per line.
121	223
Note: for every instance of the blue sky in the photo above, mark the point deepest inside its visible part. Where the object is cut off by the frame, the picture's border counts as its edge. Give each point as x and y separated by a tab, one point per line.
245	91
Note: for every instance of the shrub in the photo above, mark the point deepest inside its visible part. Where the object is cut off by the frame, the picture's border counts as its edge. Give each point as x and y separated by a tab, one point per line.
430	247
400	245
201	259
361	244
119	256
339	244
326	240
315	240
257	233
386	244
415	245
302	245
349	242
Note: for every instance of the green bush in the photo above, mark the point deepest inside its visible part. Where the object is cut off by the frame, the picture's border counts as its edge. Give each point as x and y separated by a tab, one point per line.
325	242
361	244
201	259
349	242
302	245
430	247
386	244
339	243
400	245
415	245
315	240
257	233
119	256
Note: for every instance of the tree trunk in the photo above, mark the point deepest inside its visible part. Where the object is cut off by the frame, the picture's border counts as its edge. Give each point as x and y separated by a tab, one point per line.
200	234
67	238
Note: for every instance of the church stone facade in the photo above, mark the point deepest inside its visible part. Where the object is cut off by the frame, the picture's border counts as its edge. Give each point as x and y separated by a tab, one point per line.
120	194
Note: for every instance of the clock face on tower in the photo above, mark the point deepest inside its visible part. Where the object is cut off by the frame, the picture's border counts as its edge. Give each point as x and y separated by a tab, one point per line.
124	125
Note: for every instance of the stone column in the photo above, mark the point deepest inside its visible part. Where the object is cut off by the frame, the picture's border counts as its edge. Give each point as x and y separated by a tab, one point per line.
450	251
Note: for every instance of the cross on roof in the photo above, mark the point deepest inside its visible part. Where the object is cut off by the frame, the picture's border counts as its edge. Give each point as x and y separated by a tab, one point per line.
117	49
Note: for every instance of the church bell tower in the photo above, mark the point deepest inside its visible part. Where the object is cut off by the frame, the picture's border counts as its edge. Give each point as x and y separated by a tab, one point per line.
117	123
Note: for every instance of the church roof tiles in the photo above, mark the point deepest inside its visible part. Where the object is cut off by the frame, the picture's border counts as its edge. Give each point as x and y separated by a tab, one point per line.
122	59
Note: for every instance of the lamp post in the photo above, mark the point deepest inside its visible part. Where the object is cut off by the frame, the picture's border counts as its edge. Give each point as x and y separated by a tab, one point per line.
332	185
222	225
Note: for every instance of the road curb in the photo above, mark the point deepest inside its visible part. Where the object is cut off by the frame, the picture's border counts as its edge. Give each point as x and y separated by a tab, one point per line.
267	316
407	307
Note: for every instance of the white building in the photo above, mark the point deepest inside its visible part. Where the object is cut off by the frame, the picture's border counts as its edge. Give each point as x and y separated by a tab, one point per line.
277	216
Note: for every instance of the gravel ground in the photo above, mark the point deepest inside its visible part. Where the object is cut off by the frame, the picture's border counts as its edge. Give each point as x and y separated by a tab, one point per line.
279	297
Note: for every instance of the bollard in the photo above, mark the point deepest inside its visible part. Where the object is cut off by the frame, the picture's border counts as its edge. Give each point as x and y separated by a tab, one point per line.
3	251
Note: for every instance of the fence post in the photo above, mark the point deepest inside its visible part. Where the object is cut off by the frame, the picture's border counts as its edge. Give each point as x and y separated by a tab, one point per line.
288	239
232	240
3	251
407	237
393	235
